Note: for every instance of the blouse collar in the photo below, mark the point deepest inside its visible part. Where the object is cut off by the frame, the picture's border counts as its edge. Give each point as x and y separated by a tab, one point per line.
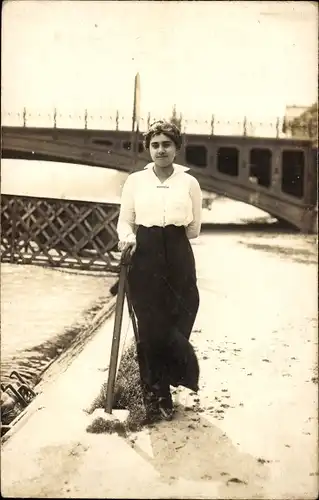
177	168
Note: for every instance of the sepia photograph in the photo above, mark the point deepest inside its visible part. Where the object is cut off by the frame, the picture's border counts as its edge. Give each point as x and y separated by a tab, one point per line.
159	249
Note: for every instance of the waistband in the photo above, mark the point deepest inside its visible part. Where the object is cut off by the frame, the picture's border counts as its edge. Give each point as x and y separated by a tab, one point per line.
159	229
157	233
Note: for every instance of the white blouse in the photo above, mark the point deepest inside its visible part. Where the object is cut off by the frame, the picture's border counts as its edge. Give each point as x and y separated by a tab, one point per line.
148	202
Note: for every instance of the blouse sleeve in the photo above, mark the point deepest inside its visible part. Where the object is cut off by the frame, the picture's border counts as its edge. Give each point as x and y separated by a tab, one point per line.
126	221
193	229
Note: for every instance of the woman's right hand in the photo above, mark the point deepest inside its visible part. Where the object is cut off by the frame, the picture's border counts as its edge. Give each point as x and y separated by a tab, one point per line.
124	245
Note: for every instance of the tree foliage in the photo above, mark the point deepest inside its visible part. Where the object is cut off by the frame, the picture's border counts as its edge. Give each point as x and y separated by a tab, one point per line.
306	125
175	119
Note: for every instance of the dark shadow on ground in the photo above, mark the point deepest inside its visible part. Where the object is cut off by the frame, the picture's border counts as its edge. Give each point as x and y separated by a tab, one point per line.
193	448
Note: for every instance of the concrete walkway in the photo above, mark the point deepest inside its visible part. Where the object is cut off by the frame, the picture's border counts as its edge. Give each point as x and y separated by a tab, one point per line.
253	434
45	443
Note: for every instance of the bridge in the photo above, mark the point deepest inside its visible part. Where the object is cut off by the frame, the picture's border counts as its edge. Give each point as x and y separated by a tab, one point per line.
277	175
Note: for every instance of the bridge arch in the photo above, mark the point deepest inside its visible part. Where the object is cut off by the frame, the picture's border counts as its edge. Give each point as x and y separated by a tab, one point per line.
274	175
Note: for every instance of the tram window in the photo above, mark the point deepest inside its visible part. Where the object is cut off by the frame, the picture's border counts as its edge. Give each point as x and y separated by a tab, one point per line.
128	145
103	142
260	166
293	165
196	155
227	161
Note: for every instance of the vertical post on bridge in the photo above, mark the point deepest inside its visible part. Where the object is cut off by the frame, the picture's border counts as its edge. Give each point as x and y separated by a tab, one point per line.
117	120
245	127
136	120
277	127
212	125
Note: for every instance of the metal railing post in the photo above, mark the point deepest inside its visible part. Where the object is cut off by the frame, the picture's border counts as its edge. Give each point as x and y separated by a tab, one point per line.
14	228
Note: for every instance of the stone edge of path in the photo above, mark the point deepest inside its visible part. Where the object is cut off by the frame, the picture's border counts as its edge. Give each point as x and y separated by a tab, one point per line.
60	364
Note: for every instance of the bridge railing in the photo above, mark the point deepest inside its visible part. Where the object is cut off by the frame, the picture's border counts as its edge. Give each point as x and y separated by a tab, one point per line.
117	120
73	234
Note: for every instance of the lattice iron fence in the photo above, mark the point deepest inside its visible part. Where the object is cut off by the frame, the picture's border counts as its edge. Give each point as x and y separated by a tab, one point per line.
60	233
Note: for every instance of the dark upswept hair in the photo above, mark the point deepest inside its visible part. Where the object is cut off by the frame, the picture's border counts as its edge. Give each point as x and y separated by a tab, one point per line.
163	127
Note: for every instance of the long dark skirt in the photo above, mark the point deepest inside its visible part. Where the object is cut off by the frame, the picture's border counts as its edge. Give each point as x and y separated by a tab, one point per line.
164	294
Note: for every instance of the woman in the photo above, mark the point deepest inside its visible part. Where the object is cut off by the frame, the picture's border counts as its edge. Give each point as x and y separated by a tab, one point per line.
160	211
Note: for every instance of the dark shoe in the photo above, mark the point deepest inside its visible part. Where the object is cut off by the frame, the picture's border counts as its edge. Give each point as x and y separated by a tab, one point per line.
152	416
151	407
165	408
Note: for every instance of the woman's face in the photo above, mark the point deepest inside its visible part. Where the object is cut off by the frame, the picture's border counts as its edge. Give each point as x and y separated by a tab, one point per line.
162	150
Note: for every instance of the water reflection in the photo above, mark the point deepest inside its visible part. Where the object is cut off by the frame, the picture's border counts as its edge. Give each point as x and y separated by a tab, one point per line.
257	230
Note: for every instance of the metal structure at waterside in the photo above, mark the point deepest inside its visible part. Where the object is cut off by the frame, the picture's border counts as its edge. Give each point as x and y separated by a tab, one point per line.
277	175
